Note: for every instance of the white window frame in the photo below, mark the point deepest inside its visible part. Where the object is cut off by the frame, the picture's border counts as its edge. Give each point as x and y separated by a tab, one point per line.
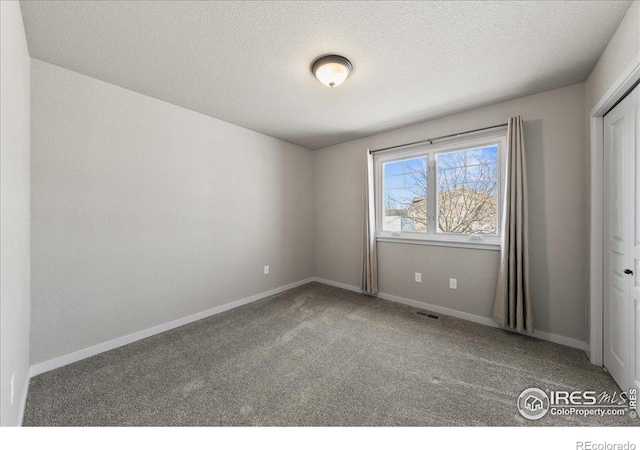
488	242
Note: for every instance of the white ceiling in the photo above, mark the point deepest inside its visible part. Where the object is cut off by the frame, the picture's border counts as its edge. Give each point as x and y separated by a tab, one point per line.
248	62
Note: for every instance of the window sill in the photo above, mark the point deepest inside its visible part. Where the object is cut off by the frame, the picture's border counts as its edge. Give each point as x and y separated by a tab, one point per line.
459	243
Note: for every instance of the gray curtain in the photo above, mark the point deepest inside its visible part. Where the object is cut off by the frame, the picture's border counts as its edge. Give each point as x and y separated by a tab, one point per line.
369	283
513	307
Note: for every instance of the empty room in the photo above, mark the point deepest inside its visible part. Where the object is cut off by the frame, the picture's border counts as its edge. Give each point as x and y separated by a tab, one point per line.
292	215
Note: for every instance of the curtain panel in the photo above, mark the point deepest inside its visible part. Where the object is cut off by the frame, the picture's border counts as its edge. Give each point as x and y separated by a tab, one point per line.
369	283
513	303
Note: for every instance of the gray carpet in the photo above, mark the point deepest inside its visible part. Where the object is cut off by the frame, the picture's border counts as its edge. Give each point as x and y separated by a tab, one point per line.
316	355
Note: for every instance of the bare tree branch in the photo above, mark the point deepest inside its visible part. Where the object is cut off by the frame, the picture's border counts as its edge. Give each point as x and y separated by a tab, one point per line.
467	194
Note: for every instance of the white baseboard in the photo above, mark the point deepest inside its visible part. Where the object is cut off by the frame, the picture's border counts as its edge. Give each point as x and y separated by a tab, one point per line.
347	287
64	360
60	361
23	399
569	342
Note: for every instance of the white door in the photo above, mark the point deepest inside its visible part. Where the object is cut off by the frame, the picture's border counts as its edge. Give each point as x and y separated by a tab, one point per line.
622	242
634	313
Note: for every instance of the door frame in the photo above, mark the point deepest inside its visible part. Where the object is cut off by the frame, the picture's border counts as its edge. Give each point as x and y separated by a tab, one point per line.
627	79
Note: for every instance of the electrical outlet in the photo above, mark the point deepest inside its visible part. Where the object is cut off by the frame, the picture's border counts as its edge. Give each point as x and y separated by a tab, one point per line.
418	277
13	389
266	270
453	283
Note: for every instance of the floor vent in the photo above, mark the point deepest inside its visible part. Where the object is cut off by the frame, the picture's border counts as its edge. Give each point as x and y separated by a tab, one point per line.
430	316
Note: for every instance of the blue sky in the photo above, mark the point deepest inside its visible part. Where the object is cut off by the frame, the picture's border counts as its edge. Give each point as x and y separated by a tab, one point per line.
404	180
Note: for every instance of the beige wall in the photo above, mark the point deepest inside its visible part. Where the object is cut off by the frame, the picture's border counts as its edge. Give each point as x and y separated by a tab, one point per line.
128	231
144	212
556	150
620	52
623	47
14	213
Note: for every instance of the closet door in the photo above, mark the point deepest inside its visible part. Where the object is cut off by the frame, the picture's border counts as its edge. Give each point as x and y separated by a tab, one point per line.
620	240
634	316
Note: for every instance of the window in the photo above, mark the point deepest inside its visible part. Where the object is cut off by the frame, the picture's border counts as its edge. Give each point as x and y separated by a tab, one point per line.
405	191
447	194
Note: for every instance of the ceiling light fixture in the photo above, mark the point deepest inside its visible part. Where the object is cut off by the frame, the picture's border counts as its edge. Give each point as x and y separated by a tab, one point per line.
332	70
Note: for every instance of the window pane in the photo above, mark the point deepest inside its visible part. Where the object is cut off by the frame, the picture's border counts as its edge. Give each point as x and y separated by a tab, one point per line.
468	191
405	191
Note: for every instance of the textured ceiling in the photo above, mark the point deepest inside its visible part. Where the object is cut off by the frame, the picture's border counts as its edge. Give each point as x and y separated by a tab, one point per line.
248	62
